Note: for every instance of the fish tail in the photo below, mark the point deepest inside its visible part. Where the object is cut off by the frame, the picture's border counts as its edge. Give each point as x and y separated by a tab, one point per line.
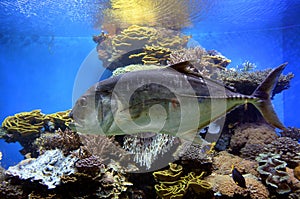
264	92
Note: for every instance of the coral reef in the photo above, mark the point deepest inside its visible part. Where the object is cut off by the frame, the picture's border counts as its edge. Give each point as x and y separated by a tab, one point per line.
90	165
206	62
287	148
112	184
25	123
58	120
291	132
225	186
34	122
194	155
138	45
223	161
11	191
146	150
294	182
106	148
25	127
250	138
153	55
297	172
66	141
47	169
274	172
247	82
173	185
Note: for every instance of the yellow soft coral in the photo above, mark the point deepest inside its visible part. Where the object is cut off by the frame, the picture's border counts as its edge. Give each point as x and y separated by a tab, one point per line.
173	185
25	123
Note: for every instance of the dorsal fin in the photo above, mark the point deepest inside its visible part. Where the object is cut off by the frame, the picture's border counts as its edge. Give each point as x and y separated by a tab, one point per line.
187	68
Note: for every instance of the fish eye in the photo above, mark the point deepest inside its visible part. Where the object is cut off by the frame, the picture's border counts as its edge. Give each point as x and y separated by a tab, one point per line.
82	102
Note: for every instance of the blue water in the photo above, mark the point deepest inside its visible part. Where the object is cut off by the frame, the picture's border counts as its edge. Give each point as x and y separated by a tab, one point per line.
43	44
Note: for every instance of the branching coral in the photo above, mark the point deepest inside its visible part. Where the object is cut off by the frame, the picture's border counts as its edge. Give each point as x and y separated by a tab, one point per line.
194	155
105	148
206	62
11	191
112	184
274	172
146	150
47	169
172	183
247	82
90	165
250	138
291	132
66	140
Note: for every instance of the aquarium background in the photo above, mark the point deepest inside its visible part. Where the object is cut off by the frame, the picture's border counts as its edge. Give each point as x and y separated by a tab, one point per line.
43	45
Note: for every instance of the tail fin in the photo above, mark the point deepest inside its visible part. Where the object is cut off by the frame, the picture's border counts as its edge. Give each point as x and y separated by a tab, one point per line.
263	92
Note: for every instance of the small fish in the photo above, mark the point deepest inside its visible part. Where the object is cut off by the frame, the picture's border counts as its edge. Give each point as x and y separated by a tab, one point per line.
175	100
238	177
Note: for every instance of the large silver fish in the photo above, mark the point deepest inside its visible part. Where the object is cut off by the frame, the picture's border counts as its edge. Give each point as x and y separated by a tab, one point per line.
175	100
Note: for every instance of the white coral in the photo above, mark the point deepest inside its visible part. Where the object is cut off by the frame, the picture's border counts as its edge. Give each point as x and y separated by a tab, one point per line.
47	168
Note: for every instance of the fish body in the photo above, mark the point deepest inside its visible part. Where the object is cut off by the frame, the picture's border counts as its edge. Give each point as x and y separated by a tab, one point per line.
238	177
175	100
